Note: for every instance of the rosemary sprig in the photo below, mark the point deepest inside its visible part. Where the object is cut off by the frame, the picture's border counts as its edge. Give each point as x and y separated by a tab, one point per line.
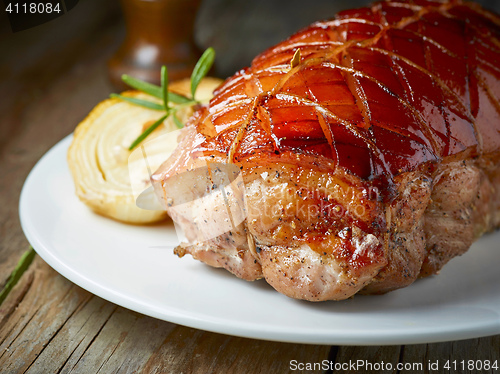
141	102
177	121
167	97
149	88
164	87
148	131
201	69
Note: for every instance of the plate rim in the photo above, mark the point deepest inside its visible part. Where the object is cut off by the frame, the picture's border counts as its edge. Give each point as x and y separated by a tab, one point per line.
217	325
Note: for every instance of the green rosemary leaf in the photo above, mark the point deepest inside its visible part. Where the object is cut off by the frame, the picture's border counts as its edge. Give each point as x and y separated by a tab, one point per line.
154	90
201	69
19	270
164	86
178	99
149	88
148	131
177	121
141	102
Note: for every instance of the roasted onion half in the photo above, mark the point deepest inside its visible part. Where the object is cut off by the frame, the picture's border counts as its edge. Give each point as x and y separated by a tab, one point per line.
101	163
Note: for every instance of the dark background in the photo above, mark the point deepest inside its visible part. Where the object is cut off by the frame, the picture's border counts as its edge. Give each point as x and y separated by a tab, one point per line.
237	29
243	28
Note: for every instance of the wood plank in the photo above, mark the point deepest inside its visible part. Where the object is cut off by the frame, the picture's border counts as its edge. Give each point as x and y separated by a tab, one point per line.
52	325
74	337
422	358
51	77
370	359
436	356
217	353
34	313
125	343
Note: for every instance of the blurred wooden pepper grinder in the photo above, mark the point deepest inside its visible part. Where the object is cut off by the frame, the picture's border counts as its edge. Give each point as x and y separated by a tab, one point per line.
158	32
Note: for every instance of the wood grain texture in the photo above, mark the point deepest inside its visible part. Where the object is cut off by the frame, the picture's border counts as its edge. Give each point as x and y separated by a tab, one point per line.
369	356
46	301
51	325
49	80
216	353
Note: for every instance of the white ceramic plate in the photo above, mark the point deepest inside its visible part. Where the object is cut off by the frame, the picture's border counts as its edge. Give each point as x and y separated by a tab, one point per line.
134	267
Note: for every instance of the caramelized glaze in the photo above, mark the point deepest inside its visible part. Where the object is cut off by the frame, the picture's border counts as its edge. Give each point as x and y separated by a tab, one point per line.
379	91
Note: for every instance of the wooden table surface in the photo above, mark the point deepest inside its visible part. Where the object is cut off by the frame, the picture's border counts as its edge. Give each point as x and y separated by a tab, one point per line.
51	76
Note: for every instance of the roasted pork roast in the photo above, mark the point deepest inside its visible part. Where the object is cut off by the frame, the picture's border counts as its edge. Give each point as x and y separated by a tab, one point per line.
368	147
